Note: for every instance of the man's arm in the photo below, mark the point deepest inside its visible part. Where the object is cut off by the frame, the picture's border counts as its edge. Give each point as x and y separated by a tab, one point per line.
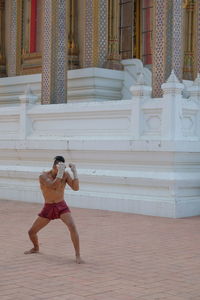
73	183
46	181
53	183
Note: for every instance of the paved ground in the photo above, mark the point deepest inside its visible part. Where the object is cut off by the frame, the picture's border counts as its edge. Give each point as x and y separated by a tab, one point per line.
128	257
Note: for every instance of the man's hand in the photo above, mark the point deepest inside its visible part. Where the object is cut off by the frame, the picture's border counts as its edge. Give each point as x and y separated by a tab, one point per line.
61	169
74	171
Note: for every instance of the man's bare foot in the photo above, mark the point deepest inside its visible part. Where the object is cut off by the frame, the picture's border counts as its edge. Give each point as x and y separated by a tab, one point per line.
79	260
31	251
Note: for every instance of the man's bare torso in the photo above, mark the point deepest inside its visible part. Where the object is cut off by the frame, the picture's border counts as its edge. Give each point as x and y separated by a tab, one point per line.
52	194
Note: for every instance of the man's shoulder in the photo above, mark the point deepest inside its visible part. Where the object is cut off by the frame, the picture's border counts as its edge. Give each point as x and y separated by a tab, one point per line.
43	175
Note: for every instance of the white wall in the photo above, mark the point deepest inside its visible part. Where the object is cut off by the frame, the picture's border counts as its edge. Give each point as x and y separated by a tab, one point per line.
139	156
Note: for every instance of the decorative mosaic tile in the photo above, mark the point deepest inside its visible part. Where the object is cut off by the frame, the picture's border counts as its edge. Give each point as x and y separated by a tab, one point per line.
177	40
159	48
12	54
47	49
54	73
103	27
168	42
88	33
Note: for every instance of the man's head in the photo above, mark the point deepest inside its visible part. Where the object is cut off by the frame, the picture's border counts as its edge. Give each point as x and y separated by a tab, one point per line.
58	159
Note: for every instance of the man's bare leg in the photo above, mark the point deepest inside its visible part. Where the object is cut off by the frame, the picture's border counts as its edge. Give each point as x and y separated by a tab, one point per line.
36	227
68	220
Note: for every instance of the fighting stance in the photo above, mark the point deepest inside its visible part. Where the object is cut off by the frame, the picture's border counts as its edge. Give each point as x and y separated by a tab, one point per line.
53	184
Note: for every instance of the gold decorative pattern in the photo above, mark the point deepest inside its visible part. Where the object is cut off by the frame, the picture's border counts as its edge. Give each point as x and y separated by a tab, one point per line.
185	3
130	29
26	13
188	67
73	51
114	57
138	40
197	39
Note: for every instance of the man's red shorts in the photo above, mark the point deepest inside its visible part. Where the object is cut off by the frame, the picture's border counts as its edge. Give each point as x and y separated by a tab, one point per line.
53	211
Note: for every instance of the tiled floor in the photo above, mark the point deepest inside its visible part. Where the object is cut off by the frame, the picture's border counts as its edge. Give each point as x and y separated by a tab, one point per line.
127	257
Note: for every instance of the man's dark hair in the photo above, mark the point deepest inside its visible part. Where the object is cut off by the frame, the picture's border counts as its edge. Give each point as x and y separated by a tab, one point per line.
58	159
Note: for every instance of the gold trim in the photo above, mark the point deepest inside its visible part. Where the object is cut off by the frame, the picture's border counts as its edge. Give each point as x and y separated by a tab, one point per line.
26	23
113	57
30	71
73	60
138	28
19	37
32	55
195	39
185	3
189	43
23	53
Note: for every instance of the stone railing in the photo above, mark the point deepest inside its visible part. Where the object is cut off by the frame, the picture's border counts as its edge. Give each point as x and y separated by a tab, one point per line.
142	118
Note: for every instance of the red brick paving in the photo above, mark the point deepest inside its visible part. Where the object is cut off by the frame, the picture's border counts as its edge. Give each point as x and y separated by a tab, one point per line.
128	257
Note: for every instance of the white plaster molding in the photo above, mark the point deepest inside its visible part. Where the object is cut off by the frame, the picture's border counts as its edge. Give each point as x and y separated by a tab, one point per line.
172	108
132	69
84	85
172	86
13	87
114	175
194	90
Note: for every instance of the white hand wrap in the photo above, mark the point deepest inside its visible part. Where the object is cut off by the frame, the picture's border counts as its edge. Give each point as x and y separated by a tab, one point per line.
61	170
74	171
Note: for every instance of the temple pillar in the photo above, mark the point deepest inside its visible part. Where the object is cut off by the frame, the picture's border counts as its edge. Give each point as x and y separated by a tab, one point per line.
13	24
113	57
197	38
167	42
159	43
2	39
55	41
177	40
93	32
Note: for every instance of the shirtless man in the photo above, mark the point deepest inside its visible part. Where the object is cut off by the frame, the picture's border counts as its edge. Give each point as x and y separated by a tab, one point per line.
53	184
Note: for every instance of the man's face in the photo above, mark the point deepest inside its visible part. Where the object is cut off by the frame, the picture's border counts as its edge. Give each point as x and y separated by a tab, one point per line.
55	167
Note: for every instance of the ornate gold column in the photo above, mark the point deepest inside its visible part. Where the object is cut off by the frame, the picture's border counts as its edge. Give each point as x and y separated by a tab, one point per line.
2	39
55	37
73	59
167	42
113	58
94	28
197	38
188	65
